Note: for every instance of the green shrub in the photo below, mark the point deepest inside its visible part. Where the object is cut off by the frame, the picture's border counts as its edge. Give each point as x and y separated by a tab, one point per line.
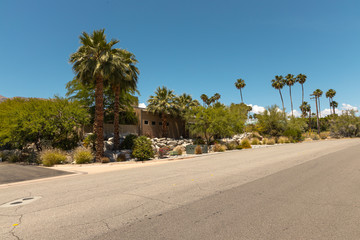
83	155
231	145
283	140
52	156
315	136
198	149
245	143
345	125
265	141
271	141
121	157
142	148
324	135
128	142
219	148
255	141
14	156
89	141
198	140
239	147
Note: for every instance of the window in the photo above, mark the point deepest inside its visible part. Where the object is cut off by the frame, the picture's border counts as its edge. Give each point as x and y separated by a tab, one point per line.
160	123
146	122
153	123
167	124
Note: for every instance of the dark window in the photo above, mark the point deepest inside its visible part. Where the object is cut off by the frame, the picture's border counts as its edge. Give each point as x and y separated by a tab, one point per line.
153	123
167	124
160	123
146	122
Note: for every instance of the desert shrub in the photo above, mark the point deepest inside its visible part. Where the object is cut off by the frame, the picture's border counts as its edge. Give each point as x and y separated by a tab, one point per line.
283	140
52	156
198	149
271	141
121	157
324	135
219	148
271	122
231	145
179	150
142	148
239	147
345	125
14	156
128	142
89	141
265	140
294	129
245	143
105	160
83	155
163	151
315	136
255	141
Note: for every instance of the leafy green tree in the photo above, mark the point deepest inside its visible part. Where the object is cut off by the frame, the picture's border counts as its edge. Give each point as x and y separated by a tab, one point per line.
163	103
278	83
331	94
56	122
240	84
93	63
294	128
345	125
290	80
271	122
301	78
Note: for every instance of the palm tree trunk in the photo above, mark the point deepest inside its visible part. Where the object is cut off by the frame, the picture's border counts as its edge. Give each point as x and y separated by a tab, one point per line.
317	116
164	125
99	117
292	112
241	96
310	121
116	117
282	101
330	104
319	107
302	87
333	107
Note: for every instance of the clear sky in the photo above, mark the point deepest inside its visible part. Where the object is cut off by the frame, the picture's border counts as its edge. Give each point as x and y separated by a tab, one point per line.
189	46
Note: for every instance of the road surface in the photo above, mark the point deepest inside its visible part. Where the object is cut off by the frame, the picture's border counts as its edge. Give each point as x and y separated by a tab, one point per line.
295	191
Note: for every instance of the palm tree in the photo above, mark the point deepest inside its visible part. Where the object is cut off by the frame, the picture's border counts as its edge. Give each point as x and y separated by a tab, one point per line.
316	96
290	81
216	97
278	83
334	105
318	93
306	108
184	103
301	78
240	84
162	103
330	94
92	65
205	99
123	79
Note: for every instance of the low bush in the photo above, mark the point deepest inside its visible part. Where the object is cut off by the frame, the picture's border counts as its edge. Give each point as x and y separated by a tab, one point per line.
128	142
89	141
265	141
219	148
315	136
105	160
52	156
245	143
271	141
83	155
324	135
142	148
163	151
198	141
198	149
14	156
121	157
179	150
255	141
283	140
231	145
239	147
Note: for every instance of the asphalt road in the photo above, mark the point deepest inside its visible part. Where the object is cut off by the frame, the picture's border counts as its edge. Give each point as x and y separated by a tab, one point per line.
297	191
10	173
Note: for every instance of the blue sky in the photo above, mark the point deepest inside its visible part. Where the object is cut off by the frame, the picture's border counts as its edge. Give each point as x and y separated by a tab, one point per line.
189	46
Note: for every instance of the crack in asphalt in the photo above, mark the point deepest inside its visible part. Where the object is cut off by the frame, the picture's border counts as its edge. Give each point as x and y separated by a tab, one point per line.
153	199
12	231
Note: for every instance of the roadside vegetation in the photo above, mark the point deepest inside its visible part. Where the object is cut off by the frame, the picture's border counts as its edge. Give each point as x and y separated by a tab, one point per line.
103	90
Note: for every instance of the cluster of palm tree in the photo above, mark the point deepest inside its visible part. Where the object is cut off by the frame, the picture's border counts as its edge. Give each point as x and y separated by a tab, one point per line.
165	103
207	101
98	63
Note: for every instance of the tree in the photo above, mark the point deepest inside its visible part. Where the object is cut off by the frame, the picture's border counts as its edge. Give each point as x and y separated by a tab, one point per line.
184	103
92	64
301	78
240	84
315	97
123	78
334	105
205	99
290	81
163	103
331	94
278	83
318	94
271	122
216	97
306	108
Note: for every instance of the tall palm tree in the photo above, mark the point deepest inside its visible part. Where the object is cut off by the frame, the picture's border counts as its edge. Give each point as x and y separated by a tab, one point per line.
205	99
278	83
163	103
123	79
290	81
92	65
318	94
305	109
216	97
330	94
334	105
184	103
301	78
240	84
